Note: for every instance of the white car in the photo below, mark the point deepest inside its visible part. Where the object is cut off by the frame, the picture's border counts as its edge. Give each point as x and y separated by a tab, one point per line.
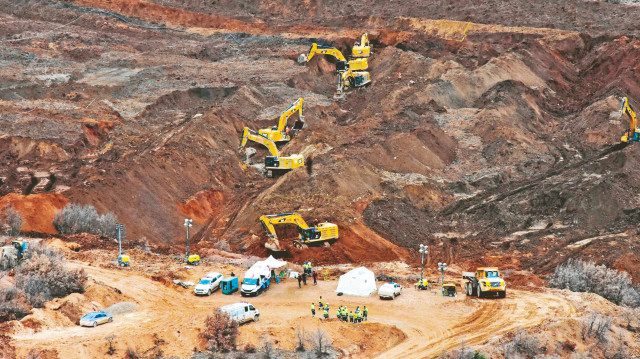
208	284
390	290
241	312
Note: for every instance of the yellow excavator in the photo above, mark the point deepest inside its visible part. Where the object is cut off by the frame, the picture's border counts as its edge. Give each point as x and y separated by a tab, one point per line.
350	73
278	132
362	48
325	232
633	133
275	162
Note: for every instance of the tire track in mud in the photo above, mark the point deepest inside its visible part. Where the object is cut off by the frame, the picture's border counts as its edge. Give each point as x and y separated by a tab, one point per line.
498	193
177	316
493	317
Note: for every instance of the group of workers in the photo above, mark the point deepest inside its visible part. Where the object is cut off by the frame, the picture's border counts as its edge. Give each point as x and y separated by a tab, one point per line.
307	272
342	312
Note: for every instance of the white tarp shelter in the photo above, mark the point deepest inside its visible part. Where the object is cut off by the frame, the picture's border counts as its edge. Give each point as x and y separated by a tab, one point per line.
274	263
359	281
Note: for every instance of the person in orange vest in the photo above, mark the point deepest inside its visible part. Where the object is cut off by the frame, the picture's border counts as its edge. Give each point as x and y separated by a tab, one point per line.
399	75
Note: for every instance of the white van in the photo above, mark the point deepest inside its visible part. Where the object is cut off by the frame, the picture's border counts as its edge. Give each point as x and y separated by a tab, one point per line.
241	312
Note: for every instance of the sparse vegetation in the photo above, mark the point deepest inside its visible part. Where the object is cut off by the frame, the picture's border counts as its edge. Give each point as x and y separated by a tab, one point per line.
221	332
13	304
110	348
523	345
41	276
10	221
320	341
581	276
76	218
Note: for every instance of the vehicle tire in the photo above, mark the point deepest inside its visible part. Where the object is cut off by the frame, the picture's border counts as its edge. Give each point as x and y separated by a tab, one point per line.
256	318
466	290
95	324
479	292
121	264
110	320
209	292
393	296
502	294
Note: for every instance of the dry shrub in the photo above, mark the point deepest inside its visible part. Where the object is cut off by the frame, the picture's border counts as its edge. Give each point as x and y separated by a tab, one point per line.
220	331
581	276
76	218
13	304
43	276
10	221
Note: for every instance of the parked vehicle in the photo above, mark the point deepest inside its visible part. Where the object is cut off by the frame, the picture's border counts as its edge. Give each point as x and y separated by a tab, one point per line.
229	285
390	290
208	284
256	280
94	319
241	312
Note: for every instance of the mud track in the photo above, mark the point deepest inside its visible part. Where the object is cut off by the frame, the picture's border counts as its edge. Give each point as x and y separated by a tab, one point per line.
498	193
448	322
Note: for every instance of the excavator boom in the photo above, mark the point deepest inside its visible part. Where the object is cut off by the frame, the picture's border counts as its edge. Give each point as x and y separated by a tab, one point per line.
248	134
323	232
633	133
278	133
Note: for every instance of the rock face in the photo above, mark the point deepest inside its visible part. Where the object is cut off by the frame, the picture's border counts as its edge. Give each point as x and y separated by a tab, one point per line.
498	143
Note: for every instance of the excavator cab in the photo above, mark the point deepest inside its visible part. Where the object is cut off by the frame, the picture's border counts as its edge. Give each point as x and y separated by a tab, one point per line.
309	234
342	65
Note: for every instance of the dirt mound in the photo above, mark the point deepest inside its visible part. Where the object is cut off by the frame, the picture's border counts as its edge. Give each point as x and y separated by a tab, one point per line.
37	210
67	311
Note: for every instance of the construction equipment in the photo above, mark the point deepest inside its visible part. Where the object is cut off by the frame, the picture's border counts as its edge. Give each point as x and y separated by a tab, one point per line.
322	233
278	133
449	290
124	260
193	259
484	282
12	254
633	132
362	48
350	72
275	162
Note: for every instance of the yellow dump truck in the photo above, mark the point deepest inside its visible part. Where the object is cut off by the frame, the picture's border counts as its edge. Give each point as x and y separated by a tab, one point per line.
486	281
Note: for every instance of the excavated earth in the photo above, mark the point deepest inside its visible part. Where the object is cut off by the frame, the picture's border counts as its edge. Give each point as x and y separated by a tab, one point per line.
499	144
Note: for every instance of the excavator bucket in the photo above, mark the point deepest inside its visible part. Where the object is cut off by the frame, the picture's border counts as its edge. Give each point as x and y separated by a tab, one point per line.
299	124
302	58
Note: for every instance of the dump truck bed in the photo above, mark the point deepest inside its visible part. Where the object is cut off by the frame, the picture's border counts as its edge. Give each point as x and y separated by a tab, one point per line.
469	275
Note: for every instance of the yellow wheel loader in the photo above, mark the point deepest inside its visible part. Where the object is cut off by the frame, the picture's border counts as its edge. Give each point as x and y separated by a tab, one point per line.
324	232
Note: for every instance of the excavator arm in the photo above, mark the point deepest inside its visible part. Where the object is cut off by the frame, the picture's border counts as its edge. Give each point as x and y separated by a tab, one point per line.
270	219
324	50
293	108
362	48
248	134
633	133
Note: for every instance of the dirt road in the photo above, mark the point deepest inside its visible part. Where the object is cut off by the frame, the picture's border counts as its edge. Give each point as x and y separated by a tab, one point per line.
431	323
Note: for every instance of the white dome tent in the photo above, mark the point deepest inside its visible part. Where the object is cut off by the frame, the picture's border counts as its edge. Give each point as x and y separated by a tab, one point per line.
359	281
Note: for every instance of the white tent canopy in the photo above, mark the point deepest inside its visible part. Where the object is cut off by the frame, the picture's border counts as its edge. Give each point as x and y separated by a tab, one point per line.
274	263
359	281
